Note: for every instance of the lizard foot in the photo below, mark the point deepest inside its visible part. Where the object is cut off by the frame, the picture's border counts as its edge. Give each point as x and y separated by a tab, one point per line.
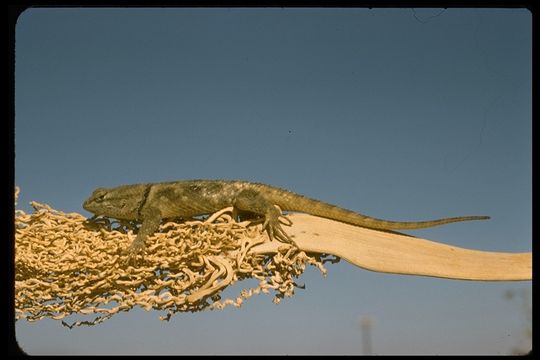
272	225
136	248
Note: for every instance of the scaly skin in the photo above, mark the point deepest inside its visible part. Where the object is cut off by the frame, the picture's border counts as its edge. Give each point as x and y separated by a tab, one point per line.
151	203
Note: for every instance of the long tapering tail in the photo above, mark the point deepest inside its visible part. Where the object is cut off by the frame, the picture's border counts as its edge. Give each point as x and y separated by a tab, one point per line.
289	201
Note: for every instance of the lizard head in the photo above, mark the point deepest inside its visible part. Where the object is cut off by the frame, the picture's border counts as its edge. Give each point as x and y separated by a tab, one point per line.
122	202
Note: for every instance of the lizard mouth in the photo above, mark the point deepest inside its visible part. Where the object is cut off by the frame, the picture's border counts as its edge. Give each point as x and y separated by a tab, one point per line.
86	205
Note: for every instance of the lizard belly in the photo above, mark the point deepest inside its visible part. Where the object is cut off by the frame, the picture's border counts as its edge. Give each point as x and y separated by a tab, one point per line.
183	207
174	201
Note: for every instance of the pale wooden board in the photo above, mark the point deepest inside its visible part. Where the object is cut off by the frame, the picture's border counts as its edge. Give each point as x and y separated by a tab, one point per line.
393	253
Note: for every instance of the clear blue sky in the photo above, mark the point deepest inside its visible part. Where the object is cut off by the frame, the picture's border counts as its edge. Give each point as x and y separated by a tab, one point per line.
397	114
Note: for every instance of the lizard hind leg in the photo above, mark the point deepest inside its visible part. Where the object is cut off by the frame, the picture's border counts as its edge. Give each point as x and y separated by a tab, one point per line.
272	225
255	202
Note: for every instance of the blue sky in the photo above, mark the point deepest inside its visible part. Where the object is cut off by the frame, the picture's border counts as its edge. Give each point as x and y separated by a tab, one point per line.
394	113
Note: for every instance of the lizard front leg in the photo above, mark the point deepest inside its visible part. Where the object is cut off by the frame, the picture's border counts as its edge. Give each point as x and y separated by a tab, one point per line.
255	202
151	221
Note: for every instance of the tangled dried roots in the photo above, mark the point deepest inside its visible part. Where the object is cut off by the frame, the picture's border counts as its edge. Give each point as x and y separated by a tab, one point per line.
66	265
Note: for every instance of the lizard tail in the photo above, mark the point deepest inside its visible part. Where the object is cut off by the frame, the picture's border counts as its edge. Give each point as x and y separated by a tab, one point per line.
289	201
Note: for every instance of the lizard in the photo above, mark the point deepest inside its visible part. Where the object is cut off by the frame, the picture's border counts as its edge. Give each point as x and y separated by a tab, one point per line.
150	203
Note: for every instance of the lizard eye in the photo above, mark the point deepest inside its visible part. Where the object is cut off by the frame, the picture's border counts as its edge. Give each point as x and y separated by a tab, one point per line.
99	197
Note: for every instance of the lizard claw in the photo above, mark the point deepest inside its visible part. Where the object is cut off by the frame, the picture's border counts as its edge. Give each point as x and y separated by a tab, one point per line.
136	248
272	225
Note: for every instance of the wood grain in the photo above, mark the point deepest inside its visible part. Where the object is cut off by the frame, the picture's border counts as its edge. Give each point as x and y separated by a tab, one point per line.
394	253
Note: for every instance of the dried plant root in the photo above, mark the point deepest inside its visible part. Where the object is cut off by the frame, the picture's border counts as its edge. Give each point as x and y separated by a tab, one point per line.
65	265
